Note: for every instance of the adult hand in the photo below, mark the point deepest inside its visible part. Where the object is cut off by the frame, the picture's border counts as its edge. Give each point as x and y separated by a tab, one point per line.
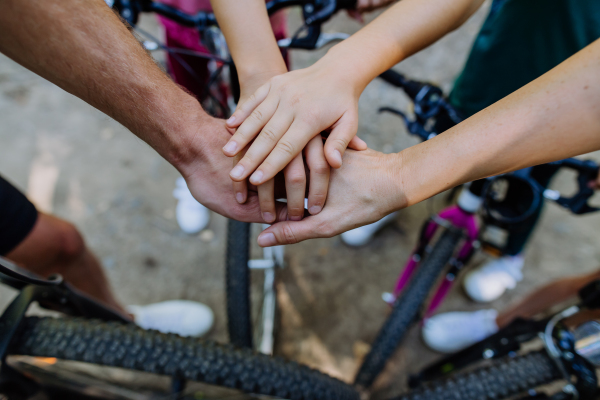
205	170
366	188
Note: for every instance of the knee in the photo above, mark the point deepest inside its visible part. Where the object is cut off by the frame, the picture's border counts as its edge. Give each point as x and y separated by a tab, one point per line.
70	242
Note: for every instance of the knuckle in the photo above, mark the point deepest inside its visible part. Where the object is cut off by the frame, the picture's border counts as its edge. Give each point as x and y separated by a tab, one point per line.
257	115
269	134
288	234
320	168
287	148
296	178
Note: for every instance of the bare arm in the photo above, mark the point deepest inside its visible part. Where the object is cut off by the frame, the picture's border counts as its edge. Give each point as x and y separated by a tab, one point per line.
82	46
325	95
248	32
552	118
406	28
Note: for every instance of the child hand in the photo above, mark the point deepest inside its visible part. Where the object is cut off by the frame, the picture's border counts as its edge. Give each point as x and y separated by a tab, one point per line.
288	112
295	184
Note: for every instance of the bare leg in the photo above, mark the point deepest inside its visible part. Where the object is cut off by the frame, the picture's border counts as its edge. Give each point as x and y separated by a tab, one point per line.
547	296
56	246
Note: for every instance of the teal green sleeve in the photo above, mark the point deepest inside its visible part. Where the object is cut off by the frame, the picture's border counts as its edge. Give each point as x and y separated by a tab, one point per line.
520	41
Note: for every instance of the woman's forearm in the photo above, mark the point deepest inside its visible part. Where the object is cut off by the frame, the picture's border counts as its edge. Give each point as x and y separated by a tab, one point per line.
247	29
552	118
404	29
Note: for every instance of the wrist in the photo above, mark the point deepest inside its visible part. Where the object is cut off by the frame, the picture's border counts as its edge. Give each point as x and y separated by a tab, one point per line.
396	174
178	124
343	62
250	74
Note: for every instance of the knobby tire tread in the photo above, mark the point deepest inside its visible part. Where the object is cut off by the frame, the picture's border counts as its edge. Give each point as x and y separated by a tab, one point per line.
128	346
407	307
505	378
237	276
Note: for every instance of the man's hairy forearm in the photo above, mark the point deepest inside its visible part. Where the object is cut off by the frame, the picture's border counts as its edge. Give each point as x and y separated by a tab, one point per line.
83	47
554	117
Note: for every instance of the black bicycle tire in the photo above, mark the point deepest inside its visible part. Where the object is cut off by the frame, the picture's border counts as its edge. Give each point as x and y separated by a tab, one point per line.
504	378
406	308
237	276
128	346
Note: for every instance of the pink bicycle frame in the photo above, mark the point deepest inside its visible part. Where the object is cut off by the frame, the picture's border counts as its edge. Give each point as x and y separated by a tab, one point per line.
457	218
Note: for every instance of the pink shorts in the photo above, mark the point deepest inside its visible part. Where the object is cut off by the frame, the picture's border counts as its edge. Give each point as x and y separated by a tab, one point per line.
189	38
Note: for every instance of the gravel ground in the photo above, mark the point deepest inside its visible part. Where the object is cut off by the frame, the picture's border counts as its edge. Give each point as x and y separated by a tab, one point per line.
84	167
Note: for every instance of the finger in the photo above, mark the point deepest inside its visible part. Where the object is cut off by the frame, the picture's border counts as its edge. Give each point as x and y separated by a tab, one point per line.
264	144
319	175
288	147
266	199
295	187
290	232
245	108
240	189
337	142
251	126
357	143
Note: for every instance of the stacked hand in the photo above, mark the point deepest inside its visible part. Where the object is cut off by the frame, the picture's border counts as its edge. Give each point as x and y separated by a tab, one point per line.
279	129
366	188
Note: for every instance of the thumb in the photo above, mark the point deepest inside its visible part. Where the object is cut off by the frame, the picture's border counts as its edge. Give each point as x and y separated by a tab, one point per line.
289	232
337	142
357	143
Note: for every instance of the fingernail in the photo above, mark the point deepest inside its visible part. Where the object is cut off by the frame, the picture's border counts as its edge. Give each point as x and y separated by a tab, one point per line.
268	217
237	171
231	120
337	156
256	177
295	218
230	147
267	239
315	210
239	197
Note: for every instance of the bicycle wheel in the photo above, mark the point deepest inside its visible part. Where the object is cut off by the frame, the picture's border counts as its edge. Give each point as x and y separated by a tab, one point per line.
237	276
130	347
506	377
407	307
251	309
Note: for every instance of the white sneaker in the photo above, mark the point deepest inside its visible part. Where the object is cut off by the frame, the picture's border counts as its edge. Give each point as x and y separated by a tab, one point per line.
491	280
361	236
454	331
192	216
185	318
